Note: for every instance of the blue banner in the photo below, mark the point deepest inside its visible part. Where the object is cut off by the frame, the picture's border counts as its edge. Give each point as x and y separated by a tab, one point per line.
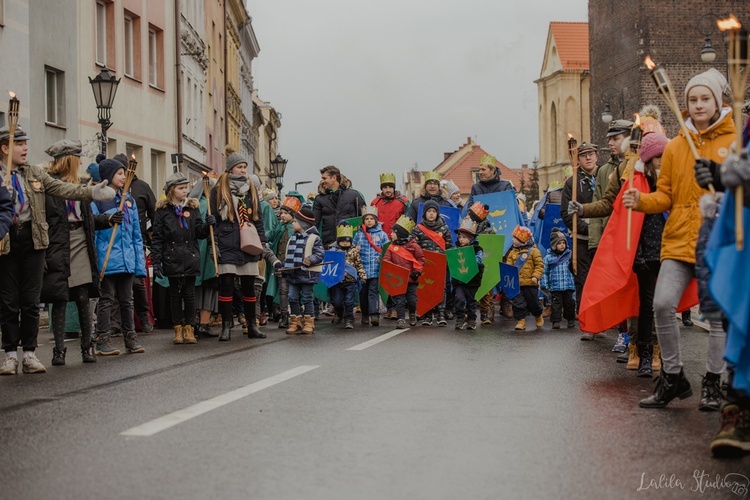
504	214
333	271
546	217
510	283
451	216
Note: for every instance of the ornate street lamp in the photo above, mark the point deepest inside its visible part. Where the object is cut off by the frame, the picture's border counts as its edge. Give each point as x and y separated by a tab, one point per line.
607	95
706	26
104	86
278	166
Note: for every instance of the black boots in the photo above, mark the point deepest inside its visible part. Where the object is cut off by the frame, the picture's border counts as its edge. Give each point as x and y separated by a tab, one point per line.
284	322
646	354
131	343
252	329
710	392
668	387
87	353
58	356
226	331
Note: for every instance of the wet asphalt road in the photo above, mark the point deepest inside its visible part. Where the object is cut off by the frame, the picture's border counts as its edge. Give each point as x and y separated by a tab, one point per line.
430	413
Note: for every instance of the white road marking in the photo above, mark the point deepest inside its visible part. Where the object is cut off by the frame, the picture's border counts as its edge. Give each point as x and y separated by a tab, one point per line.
377	340
180	416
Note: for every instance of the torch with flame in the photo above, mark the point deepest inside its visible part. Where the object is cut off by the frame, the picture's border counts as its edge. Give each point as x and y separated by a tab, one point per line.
207	194
13	106
129	175
738	63
636	134
573	154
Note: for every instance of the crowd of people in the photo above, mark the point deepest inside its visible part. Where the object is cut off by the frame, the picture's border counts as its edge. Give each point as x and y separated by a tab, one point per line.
239	251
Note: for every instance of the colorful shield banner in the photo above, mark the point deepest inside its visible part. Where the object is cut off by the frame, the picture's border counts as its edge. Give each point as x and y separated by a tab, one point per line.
492	254
431	288
333	270
393	278
451	216
510	282
504	214
462	263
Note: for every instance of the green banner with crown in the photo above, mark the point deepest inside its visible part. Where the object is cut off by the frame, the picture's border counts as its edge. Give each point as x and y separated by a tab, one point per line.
462	263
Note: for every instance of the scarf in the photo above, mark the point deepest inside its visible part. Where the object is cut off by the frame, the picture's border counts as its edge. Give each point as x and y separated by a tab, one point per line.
73	210
558	259
238	185
181	219
18	189
369	240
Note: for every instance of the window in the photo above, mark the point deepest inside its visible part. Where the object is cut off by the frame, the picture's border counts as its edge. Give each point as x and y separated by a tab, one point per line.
132	39
2	8
101	34
155	57
54	88
158	159
129	46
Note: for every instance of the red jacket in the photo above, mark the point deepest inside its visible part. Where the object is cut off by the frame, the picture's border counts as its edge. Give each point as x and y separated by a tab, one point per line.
390	209
414	249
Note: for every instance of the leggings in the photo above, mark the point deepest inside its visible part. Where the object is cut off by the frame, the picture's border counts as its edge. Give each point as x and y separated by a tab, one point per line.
79	295
226	290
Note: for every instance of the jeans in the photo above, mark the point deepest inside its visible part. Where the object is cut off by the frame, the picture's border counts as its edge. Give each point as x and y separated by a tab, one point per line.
301	297
563	306
464	302
182	291
21	273
140	298
79	295
342	298
527	302
121	286
409	298
674	277
369	299
283	294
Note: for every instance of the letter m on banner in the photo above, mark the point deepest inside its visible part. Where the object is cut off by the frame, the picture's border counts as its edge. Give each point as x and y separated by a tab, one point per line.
333	271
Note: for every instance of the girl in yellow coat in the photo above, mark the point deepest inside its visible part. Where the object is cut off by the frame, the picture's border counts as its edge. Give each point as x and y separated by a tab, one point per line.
712	130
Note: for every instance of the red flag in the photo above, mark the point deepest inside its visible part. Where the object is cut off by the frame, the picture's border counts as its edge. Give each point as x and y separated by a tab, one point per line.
610	294
431	282
393	278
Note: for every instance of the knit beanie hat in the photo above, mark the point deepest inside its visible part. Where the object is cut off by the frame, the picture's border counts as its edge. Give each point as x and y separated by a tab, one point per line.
269	194
305	218
431	204
556	236
522	234
652	145
108	168
712	79
234	158
121	159
449	186
93	171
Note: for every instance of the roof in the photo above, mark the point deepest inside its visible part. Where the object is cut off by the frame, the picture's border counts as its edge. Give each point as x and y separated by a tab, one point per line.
461	165
572	42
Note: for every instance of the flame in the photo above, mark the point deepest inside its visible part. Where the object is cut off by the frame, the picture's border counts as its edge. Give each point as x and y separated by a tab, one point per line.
204	174
650	64
730	23
132	156
570	137
12	94
637	122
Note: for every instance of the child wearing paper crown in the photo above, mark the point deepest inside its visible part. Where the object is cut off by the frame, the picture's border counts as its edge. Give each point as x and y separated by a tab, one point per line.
465	303
478	213
528	259
433	234
278	240
404	251
370	239
342	293
302	266
559	280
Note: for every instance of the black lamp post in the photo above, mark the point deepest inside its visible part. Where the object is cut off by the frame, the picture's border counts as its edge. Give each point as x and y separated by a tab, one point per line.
104	86
300	183
278	166
607	96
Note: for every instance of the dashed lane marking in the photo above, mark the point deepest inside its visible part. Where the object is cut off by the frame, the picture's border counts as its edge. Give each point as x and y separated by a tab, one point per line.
377	340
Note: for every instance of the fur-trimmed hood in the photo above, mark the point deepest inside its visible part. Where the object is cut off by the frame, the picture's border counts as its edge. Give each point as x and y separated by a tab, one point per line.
189	202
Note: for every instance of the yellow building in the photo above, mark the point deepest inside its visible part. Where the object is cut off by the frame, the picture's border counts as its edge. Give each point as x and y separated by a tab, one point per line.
215	109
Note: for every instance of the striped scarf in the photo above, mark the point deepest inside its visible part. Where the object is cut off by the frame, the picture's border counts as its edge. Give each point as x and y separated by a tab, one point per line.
295	250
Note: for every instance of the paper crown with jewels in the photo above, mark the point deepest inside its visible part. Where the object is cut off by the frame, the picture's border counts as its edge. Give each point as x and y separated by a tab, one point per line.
522	233
370	210
405	223
292	204
488	160
387	179
344	231
479	211
467	226
431	176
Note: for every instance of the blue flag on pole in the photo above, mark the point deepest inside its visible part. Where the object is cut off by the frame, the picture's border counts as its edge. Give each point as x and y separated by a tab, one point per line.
510	283
334	269
504	213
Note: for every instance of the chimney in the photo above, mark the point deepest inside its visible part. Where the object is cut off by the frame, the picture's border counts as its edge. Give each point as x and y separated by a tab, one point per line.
468	140
446	156
524	166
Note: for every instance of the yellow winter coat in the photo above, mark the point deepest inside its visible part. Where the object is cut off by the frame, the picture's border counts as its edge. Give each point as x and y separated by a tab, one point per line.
533	268
678	191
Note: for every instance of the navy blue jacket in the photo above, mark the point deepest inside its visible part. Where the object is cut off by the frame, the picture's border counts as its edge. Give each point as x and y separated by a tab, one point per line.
6	211
493	185
227	233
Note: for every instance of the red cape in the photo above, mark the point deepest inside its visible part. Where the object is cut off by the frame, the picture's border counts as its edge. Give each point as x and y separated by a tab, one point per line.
610	295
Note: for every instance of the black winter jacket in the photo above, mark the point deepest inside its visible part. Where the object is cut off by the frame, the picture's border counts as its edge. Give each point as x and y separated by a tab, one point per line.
145	201
492	185
6	211
585	195
333	207
173	248
414	208
227	233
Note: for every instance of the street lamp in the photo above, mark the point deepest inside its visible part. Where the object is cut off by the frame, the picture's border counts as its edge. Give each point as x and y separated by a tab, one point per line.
104	86
607	95
278	166
706	25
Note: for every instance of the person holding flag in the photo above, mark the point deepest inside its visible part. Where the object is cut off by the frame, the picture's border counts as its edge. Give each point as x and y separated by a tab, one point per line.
465	302
404	251
342	293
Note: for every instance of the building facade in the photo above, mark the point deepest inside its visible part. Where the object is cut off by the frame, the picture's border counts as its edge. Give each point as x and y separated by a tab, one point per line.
215	17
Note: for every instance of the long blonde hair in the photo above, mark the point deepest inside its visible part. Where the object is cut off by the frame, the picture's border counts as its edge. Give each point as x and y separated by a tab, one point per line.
224	195
66	168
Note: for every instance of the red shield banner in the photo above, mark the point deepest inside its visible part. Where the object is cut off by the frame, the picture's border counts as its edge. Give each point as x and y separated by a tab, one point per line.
432	282
394	279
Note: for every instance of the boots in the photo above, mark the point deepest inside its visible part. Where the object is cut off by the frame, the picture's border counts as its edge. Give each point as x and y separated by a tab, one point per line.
204	331
253	332
656	360
521	325
374	319
309	326
104	346
644	361
189	335
226	331
733	440
131	343
710	392
539	320
252	324
58	356
668	387
295	324
178	336
284	322
87	353
633	358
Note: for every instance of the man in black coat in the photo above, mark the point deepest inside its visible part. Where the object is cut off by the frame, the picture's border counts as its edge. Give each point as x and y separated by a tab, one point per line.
489	181
339	202
430	191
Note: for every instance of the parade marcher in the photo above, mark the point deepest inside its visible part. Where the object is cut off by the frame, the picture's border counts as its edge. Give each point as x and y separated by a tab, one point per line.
452	193
338	202
527	258
370	239
235	204
206	283
6	211
23	249
126	261
390	205
478	213
302	266
71	272
278	240
272	198
712	130
264	308
559	280
342	293
466	303
430	191
178	226
433	234
404	251
489	180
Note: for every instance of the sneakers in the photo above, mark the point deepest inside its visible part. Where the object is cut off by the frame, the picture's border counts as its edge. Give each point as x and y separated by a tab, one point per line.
521	325
644	361
485	319
427	320
621	345
349	324
471	324
374	320
9	366
733	439
402	323
571	323
32	364
412	319
710	392
461	324
104	346
58	356
555	325
441	321
587	336
539	320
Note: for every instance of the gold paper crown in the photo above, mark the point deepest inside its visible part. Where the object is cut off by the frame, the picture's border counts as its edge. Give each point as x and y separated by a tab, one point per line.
488	160
431	176
480	210
292	203
344	231
266	192
387	179
405	223
467	226
370	210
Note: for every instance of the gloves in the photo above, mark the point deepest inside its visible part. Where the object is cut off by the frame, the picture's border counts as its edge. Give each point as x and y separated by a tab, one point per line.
210	220
116	218
158	272
414	275
704	172
575	208
735	171
102	192
278	265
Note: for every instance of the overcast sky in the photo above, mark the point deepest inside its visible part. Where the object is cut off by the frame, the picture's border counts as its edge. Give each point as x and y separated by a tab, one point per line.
379	86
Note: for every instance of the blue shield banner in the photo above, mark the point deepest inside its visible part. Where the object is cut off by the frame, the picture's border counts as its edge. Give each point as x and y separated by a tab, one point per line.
451	216
504	214
510	283
333	271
